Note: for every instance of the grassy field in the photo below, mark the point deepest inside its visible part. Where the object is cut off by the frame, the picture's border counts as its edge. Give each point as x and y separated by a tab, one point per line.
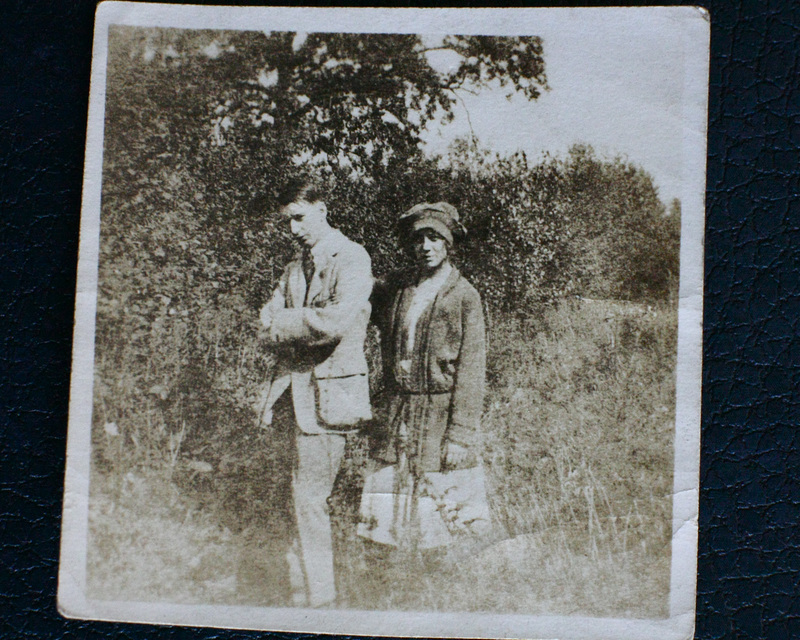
578	450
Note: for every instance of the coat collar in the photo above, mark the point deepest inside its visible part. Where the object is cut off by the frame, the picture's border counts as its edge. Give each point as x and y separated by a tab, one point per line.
452	280
408	280
328	247
449	283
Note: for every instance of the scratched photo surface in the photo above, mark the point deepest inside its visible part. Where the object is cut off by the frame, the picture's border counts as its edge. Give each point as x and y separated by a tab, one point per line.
388	322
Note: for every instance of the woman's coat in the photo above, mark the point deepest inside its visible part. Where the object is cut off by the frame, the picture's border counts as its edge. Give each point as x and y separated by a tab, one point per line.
448	360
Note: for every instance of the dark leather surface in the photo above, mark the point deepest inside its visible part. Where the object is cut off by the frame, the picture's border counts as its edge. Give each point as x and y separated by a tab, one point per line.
749	551
749	556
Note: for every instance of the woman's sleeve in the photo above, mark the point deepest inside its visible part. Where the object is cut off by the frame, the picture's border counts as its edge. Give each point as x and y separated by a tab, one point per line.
470	376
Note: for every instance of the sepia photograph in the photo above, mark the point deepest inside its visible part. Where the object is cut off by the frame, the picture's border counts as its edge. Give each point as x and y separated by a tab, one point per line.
389	322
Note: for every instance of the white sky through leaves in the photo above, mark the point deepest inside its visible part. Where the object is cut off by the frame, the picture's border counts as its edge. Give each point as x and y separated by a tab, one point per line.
617	87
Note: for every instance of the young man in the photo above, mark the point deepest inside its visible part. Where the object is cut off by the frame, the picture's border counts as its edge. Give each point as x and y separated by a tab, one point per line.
316	322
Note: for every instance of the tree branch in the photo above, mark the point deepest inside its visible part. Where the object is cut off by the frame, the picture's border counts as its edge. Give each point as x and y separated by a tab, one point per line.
469	119
439	49
460	86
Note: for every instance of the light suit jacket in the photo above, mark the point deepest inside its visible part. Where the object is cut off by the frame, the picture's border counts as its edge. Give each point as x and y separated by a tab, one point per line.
319	332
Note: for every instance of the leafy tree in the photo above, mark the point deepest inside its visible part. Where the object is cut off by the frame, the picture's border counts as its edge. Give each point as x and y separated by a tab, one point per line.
624	245
200	123
358	100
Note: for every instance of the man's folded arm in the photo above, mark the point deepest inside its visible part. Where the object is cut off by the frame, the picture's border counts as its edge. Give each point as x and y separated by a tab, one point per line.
327	323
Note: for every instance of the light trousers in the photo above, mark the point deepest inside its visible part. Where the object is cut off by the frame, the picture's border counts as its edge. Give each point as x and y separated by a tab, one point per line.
318	459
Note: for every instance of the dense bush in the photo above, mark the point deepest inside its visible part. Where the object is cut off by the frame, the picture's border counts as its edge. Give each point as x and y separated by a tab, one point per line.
578	448
190	245
203	129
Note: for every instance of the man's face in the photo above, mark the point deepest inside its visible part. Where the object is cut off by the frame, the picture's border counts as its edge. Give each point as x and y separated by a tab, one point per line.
430	249
307	221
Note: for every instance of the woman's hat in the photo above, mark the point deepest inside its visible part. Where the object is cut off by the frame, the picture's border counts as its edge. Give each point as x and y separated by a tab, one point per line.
440	216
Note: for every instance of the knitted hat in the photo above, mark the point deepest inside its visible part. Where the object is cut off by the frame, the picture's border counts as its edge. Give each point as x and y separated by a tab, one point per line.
440	216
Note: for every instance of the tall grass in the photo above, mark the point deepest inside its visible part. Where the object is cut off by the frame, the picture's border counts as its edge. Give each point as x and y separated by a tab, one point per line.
147	542
578	449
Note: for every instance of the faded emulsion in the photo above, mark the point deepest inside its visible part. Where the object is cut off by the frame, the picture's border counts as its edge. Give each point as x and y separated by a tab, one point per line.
353	352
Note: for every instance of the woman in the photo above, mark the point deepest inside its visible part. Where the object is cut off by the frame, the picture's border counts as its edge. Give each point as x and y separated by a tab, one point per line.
431	489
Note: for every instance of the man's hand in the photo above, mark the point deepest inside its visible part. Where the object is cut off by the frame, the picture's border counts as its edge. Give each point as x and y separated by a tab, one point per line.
455	455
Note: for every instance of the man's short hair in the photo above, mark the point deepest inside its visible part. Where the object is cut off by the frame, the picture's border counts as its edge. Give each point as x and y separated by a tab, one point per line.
300	189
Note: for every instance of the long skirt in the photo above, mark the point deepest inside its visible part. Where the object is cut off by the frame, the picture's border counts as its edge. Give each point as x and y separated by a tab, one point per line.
411	502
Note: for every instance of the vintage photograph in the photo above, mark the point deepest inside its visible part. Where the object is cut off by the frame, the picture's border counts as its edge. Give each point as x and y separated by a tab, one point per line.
378	319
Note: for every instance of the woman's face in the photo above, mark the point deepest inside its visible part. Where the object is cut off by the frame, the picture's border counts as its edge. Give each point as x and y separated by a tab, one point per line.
430	249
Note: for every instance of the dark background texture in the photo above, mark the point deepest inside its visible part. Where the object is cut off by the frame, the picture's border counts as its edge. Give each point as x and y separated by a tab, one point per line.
749	547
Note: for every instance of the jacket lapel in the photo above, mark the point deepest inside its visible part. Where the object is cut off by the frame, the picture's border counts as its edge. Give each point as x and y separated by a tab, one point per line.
323	263
425	322
448	285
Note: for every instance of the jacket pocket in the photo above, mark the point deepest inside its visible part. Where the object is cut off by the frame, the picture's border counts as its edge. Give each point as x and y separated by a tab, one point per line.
343	402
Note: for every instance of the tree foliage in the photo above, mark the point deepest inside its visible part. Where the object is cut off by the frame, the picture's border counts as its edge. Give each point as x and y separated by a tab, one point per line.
203	128
624	244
